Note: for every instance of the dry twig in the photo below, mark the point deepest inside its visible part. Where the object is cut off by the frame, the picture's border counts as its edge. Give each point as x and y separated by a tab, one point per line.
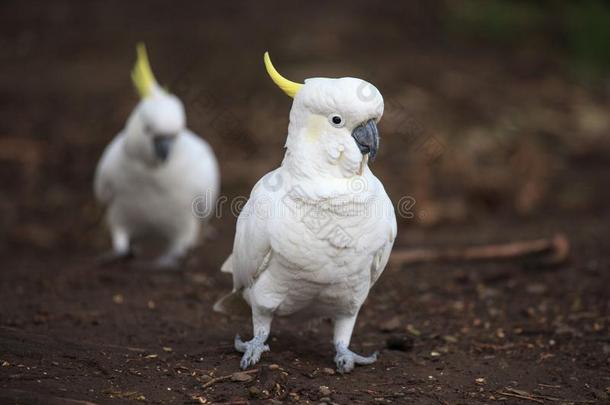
512	392
226	377
555	249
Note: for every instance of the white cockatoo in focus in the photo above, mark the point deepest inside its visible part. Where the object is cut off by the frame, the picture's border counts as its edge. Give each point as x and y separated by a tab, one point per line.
156	178
317	232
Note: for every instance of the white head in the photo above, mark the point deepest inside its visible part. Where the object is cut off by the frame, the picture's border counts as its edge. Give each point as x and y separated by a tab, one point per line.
157	120
333	124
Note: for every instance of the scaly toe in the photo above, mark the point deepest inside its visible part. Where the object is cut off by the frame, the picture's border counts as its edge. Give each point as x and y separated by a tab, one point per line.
252	350
345	359
344	362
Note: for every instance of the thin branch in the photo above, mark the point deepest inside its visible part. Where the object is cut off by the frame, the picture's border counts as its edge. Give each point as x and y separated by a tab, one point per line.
226	377
556	250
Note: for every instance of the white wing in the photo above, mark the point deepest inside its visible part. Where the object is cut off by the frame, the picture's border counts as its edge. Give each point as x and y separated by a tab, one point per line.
106	169
195	168
383	255
252	247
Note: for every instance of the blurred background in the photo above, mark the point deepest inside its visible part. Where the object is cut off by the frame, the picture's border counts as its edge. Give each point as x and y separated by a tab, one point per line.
494	109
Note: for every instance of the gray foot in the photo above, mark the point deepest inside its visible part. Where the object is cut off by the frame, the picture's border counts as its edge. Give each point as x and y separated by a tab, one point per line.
345	359
251	349
113	257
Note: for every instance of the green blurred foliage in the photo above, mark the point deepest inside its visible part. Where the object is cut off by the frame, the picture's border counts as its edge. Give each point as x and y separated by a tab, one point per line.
578	30
587	28
494	21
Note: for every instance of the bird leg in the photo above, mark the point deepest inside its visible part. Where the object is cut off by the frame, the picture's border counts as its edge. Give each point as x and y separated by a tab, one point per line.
121	249
253	349
177	253
345	359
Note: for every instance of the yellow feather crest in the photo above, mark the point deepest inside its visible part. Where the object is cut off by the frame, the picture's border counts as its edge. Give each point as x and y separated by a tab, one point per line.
289	87
142	75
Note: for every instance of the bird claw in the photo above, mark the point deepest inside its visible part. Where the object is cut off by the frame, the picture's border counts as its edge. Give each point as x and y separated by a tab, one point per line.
345	359
252	350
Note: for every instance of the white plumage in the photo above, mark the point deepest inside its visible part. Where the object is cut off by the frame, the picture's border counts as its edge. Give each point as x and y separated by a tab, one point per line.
153	176
317	232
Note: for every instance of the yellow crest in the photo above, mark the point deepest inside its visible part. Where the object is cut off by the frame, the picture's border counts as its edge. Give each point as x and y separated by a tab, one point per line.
142	75
289	87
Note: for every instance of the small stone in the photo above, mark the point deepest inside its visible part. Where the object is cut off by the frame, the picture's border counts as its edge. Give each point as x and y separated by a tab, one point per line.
254	392
450	339
435	354
274	367
412	330
118	299
205	378
324	390
325	400
5	364
480	381
241	377
328	371
167	349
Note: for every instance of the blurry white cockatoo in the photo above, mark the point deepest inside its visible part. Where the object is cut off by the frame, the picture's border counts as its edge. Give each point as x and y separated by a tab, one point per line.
317	232
155	172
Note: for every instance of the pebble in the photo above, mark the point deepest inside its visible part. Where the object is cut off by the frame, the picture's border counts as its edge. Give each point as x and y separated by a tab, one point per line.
254	392
329	371
324	390
241	377
205	378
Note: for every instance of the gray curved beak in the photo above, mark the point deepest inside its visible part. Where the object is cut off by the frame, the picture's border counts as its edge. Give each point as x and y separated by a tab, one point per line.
162	146
367	138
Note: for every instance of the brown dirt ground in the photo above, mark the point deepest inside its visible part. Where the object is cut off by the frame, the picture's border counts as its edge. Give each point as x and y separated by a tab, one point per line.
73	332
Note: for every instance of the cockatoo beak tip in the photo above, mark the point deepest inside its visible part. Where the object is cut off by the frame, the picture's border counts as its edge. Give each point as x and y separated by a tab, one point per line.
366	136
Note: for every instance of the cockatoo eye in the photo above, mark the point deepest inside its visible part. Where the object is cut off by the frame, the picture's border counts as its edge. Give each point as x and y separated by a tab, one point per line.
336	120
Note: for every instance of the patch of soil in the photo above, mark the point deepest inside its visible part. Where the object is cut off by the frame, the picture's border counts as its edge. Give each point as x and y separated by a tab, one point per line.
457	333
